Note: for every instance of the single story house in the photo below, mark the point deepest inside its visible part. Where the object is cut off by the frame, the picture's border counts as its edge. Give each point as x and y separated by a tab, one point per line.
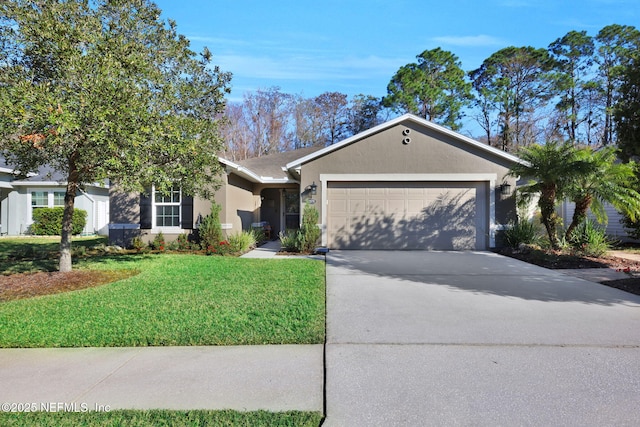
405	184
19	196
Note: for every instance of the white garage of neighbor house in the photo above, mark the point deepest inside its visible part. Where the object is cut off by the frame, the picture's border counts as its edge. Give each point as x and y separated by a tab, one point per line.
19	197
405	184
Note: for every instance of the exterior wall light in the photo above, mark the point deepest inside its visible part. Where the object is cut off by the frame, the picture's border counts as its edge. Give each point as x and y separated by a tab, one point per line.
505	189
313	188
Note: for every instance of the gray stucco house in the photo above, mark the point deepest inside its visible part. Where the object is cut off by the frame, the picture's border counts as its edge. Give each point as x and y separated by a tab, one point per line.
405	184
20	196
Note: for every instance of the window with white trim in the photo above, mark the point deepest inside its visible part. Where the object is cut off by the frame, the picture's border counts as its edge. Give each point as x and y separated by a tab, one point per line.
44	199
166	208
39	199
58	198
47	199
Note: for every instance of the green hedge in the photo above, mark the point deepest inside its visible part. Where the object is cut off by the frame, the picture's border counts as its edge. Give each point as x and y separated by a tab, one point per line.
48	221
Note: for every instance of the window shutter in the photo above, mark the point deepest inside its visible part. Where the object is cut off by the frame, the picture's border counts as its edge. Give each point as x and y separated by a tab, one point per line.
186	212
146	222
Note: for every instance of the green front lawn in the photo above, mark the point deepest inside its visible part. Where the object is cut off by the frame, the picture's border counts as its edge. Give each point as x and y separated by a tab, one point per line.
177	300
132	418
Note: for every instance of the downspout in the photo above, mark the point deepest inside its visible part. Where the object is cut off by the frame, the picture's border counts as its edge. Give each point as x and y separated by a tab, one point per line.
3	224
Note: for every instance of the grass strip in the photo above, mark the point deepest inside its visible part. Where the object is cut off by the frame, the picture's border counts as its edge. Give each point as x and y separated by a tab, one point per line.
135	418
177	300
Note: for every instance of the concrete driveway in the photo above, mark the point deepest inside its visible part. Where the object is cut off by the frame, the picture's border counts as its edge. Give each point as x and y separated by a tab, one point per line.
474	338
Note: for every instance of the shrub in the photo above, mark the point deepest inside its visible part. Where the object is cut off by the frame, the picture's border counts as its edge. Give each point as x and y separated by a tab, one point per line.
309	231
173	245
290	240
137	243
589	239
259	234
48	221
181	243
224	248
242	242
521	232
305	239
210	230
158	242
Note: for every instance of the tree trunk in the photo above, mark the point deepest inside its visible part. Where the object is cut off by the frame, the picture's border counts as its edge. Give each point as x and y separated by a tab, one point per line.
607	132
65	264
548	215
579	214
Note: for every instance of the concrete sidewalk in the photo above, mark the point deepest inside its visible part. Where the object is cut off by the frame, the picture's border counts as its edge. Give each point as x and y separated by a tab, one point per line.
268	250
244	378
271	249
625	254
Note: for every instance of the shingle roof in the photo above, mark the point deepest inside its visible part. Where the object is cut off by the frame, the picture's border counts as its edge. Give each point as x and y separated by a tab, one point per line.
271	165
45	173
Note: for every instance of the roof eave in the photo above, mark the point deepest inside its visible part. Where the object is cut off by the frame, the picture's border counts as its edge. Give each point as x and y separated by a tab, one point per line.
252	176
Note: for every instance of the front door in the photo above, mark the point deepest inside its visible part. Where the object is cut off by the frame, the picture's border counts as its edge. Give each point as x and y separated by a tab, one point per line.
270	209
291	209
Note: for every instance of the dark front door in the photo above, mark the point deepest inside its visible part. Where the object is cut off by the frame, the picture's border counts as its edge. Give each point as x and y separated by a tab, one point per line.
291	209
270	209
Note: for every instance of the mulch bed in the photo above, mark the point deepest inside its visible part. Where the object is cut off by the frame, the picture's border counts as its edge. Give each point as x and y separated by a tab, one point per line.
631	285
27	285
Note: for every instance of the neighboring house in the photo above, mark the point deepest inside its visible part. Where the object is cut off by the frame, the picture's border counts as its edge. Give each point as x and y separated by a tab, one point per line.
405	184
613	227
19	197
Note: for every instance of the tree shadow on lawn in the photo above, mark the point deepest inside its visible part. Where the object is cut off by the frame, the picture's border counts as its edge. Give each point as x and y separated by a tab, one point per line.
50	263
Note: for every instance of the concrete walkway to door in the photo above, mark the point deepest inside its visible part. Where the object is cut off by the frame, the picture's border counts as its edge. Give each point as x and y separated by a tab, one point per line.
474	338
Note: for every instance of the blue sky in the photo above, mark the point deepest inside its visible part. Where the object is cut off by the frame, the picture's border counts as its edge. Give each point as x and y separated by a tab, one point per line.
310	47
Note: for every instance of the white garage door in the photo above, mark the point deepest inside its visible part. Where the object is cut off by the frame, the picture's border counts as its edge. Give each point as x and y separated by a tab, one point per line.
407	215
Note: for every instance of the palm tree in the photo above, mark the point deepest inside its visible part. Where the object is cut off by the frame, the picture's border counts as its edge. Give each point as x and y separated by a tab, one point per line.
605	179
550	168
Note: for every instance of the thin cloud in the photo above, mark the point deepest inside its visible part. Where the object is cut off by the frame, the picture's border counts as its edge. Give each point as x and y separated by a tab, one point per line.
218	41
469	41
307	67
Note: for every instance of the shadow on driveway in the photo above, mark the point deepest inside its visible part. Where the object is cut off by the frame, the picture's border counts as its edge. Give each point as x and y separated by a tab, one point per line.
478	273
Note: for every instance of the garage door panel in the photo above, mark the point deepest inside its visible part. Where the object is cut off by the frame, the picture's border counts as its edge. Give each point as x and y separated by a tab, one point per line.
421	215
338	206
375	204
398	193
373	192
396	206
353	192
415	207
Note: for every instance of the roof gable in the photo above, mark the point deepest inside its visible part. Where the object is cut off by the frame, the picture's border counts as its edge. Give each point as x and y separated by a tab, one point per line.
297	163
